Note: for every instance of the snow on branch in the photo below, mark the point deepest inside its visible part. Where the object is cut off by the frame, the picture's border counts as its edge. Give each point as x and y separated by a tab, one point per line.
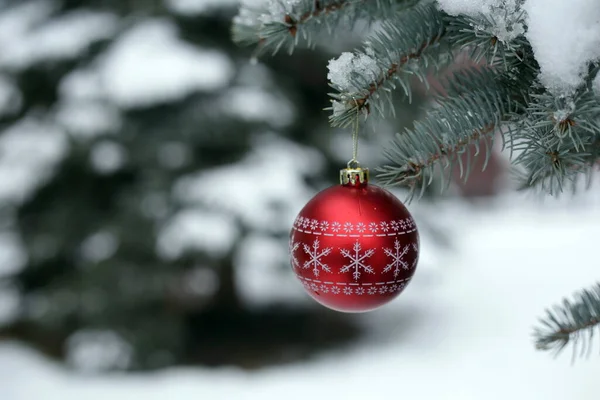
277	24
573	323
404	47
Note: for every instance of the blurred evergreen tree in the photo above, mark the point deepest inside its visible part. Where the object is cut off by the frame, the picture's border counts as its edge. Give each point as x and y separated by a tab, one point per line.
137	139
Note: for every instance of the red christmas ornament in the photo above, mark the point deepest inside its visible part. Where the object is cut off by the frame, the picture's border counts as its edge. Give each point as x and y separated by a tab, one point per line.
354	246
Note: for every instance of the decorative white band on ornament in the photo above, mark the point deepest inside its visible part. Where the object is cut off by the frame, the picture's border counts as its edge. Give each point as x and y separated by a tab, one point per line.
360	229
358	289
353	236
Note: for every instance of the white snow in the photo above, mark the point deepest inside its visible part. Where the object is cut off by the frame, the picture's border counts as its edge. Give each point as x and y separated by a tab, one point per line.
192	229
61	38
18	21
195	7
12	254
150	65
506	16
10	96
99	246
107	156
97	350
262	274
87	119
82	84
266	189
255	104
10	303
596	85
30	150
565	36
460	331
342	70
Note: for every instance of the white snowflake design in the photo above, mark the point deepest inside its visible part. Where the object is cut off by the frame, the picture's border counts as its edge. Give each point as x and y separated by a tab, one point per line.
384	226
314	224
393	288
293	248
383	290
324	226
395	225
357	261
348	227
372	290
360	227
374	227
305	223
397	261
313	286
324	289
335	227
403	223
335	290
347	291
359	291
315	257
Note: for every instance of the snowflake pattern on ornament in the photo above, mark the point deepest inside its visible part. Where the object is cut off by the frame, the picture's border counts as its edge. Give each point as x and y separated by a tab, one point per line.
373	227
336	226
315	257
360	227
347	291
385	227
324	289
293	248
383	290
324	226
335	290
396	255
348	227
372	290
359	291
357	261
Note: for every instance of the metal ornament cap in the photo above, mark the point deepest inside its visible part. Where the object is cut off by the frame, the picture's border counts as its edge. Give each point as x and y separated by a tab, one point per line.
354	174
354	246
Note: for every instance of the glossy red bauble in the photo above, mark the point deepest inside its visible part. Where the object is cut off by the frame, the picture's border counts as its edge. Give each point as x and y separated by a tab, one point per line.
354	247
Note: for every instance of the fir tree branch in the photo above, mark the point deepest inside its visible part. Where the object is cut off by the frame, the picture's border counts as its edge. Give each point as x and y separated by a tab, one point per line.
277	24
557	138
573	322
462	119
404	47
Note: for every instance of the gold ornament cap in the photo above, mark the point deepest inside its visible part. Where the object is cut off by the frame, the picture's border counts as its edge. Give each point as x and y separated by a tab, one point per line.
354	174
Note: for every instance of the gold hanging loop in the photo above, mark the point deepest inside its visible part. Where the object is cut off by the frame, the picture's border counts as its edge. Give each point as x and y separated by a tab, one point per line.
354	173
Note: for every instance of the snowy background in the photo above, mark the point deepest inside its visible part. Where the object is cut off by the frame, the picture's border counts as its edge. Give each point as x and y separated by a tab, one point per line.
461	330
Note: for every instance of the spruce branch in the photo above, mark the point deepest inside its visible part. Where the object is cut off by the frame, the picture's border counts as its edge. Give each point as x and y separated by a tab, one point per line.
405	46
479	104
278	24
557	138
573	322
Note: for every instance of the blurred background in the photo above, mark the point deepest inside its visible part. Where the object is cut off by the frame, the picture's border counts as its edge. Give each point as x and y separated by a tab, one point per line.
150	172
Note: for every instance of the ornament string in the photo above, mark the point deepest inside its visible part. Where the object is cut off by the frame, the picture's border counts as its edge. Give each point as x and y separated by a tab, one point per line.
355	130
